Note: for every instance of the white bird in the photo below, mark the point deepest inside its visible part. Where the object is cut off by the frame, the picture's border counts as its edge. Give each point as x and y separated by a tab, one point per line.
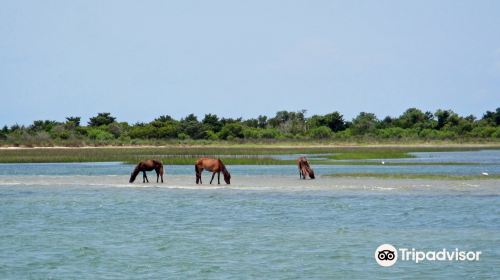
382	162
485	173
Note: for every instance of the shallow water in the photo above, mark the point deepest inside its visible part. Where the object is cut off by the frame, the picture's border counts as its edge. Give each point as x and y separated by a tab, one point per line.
116	168
85	220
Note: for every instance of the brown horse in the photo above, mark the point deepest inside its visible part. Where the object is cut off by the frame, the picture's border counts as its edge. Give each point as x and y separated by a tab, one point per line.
304	168
213	165
147	165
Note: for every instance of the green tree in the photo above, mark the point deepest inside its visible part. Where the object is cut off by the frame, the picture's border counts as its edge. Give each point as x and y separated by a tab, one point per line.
364	123
42	125
289	122
192	127
74	121
164	119
16	127
115	129
3	132
446	119
143	131
254	123
212	122
334	121
231	130
262	121
492	118
101	119
414	118
387	122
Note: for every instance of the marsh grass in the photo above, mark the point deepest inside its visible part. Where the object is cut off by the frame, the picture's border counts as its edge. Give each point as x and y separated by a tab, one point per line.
373	163
243	154
132	155
415	176
371	154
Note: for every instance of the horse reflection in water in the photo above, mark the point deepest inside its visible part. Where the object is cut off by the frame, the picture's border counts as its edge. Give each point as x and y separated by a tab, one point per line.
147	165
213	165
304	168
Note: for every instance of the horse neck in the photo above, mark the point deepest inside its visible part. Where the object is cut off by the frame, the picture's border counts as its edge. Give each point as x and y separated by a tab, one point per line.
135	172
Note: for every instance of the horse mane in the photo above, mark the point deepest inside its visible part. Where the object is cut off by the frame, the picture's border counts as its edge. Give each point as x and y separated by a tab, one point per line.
223	169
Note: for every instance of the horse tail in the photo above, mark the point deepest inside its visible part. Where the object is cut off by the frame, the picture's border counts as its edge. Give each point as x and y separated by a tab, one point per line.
161	169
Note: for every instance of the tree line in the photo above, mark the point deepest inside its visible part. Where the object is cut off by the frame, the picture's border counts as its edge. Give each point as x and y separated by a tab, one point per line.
285	125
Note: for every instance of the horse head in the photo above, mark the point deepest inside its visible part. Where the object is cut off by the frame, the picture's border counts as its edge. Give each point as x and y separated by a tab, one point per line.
311	173
227	177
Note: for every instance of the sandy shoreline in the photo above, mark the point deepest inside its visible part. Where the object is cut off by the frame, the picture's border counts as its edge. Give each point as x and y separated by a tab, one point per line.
270	183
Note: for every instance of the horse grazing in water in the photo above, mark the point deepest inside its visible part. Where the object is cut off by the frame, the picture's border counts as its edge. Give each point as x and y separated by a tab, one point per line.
147	165
213	165
304	168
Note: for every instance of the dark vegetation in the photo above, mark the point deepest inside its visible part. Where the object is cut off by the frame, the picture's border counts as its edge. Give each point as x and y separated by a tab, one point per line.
413	125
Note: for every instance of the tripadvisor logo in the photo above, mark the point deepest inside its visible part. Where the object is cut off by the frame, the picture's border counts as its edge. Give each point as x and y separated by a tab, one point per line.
387	255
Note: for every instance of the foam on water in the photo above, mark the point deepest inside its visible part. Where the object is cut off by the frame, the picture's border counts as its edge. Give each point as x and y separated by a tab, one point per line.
264	183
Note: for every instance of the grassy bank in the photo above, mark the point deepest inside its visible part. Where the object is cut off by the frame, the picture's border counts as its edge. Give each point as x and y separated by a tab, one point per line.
232	154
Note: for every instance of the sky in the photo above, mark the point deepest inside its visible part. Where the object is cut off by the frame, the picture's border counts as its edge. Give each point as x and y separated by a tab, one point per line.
143	59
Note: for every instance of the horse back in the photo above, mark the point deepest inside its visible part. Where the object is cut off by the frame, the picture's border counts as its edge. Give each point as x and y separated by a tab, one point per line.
209	164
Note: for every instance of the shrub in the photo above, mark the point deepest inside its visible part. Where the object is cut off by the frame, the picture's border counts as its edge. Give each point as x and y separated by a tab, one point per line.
98	134
321	132
234	130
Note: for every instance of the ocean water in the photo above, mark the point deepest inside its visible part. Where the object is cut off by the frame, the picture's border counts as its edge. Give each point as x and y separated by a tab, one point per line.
66	221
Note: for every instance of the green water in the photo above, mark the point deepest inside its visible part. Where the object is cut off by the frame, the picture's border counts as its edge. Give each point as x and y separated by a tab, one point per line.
266	227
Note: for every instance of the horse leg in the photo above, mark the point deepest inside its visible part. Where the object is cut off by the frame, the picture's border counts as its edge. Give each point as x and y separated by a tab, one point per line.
218	177
144	177
198	177
213	174
198	174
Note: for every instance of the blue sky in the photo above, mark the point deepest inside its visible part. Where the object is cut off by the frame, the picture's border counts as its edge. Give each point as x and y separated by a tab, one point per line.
142	59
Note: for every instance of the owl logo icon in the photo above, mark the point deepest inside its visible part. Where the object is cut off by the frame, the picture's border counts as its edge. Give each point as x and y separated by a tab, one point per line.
386	255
